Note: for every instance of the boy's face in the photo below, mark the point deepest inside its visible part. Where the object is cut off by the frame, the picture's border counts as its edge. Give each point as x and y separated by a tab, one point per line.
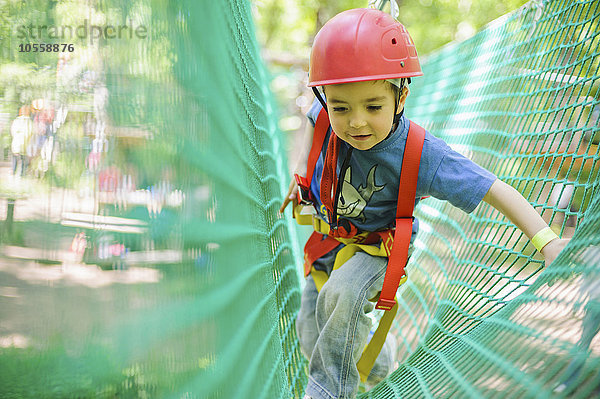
362	113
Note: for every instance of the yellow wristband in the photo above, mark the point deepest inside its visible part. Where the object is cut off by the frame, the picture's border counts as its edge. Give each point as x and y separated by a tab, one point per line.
542	238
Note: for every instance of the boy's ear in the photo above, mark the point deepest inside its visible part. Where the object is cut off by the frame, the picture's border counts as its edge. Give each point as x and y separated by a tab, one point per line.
402	99
405	93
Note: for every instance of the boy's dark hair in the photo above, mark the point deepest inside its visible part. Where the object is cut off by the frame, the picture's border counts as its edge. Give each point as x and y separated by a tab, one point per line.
396	89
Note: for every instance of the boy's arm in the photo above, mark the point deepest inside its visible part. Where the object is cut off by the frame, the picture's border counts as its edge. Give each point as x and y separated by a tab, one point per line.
516	208
300	166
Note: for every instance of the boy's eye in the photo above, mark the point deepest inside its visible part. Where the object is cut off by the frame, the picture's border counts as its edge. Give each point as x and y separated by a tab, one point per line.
339	109
374	107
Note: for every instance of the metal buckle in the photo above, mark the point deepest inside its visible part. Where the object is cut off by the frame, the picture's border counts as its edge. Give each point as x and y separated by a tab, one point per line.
303	190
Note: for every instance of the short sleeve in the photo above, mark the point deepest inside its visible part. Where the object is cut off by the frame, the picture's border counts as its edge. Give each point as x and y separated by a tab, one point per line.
461	181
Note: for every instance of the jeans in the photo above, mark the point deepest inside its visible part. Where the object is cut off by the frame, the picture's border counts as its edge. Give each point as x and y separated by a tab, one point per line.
333	328
16	159
590	327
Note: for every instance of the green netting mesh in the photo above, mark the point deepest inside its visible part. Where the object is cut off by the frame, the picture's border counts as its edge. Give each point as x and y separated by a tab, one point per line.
188	286
141	254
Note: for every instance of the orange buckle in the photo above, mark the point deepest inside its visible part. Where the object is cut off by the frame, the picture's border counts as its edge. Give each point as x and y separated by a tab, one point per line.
385	304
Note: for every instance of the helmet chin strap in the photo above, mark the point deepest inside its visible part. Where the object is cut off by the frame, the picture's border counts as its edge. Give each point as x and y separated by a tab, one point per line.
397	115
320	98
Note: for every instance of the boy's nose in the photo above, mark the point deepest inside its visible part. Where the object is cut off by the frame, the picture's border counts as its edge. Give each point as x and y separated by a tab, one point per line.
357	121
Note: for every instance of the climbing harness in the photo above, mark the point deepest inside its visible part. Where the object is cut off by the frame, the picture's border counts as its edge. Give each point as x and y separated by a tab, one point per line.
392	243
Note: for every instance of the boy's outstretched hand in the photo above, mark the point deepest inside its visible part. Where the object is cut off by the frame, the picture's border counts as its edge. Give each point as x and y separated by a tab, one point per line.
554	247
292	196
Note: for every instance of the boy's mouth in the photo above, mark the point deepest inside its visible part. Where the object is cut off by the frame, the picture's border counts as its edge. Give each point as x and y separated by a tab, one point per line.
361	136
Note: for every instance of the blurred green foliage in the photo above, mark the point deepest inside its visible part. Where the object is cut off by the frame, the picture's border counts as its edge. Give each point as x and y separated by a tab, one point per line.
288	25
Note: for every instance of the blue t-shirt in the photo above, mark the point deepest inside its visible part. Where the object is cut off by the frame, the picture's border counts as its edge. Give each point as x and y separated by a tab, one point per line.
370	188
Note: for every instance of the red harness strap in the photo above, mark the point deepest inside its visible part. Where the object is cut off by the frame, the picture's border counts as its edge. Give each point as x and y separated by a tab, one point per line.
321	127
316	246
404	216
329	177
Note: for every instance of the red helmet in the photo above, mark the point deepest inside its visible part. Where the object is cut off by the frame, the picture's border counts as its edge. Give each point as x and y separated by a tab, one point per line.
362	44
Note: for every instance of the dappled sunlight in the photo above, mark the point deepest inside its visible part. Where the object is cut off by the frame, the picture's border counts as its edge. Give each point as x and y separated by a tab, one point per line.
14	341
87	275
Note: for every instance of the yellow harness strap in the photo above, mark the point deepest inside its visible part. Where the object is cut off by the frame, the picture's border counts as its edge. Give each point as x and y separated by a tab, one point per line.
373	348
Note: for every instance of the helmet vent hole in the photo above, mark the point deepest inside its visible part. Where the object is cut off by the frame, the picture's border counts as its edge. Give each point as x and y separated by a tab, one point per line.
394	40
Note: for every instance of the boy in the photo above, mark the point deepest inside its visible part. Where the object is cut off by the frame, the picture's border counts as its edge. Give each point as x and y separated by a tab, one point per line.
364	60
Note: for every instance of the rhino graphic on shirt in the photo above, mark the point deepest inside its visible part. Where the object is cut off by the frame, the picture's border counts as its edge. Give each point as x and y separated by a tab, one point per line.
352	201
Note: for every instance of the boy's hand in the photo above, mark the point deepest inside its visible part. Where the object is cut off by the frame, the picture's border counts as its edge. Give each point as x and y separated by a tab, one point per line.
554	247
292	196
